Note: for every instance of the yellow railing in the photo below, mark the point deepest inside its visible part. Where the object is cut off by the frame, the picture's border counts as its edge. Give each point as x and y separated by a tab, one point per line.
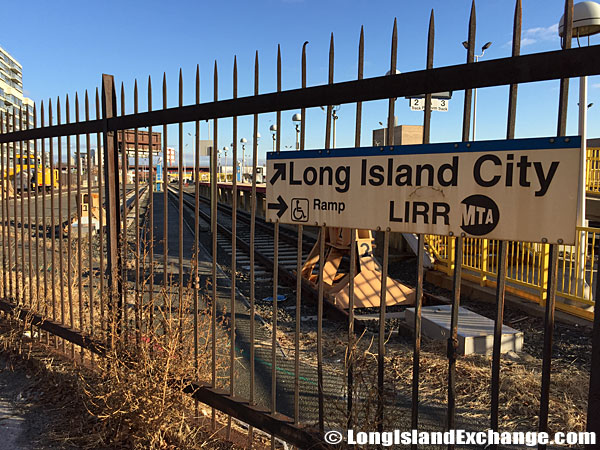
592	176
527	270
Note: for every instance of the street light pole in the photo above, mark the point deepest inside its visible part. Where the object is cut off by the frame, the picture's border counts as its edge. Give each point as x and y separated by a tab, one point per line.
583	133
255	163
297	118
225	150
183	168
334	115
483	49
234	164
273	130
475	105
586	22
243	142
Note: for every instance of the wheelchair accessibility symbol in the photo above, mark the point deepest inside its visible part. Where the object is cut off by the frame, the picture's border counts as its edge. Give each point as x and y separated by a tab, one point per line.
300	209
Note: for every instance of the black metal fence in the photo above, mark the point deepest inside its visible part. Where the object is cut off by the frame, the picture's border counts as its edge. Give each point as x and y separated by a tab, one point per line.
92	289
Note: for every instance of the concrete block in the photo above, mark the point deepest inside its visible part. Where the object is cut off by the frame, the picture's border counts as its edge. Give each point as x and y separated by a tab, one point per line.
475	332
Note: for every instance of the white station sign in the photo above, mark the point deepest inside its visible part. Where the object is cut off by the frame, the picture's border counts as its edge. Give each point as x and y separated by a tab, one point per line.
522	189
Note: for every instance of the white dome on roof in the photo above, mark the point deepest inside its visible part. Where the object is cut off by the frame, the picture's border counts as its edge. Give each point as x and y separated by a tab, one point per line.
586	19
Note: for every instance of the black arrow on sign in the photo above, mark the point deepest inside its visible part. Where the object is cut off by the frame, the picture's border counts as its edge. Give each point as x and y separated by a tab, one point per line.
279	172
281	205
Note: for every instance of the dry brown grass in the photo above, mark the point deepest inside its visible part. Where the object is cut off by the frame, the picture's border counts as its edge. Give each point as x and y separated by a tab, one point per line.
520	386
138	398
133	397
519	389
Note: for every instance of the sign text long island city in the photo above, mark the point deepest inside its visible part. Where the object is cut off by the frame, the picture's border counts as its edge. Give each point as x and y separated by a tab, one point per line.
522	189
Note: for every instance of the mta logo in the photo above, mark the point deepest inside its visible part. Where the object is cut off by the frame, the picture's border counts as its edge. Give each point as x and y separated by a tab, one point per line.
480	215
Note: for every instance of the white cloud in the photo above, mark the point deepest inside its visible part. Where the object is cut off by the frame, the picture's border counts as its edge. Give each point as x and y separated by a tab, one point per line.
533	35
527	41
596	85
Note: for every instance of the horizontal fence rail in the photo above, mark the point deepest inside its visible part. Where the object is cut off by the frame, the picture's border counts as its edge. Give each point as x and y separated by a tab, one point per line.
498	72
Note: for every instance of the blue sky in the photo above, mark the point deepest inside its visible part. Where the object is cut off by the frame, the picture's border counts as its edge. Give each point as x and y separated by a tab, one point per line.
65	46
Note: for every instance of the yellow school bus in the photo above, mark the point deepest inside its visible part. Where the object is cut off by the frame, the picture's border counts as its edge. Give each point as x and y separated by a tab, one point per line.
33	177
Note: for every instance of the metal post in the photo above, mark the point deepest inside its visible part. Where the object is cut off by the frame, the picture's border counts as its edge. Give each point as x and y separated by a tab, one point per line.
214	232
475	104
274	343
234	200
150	207
421	250
548	342
123	312
113	219
583	134
580	288
503	245
298	254
103	323
593	412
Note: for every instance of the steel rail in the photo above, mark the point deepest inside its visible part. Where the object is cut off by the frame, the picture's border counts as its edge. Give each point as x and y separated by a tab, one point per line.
287	235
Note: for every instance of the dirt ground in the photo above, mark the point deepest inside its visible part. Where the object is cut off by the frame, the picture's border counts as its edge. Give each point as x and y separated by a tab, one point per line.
29	418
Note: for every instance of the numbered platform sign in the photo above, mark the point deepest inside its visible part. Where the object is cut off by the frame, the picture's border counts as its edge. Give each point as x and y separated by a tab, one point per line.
437	104
521	189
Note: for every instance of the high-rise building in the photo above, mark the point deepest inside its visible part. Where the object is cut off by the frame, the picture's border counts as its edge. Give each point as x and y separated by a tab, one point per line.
11	91
12	101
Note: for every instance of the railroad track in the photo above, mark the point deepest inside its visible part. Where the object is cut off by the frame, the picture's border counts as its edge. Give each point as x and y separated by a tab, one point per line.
263	252
287	260
254	331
